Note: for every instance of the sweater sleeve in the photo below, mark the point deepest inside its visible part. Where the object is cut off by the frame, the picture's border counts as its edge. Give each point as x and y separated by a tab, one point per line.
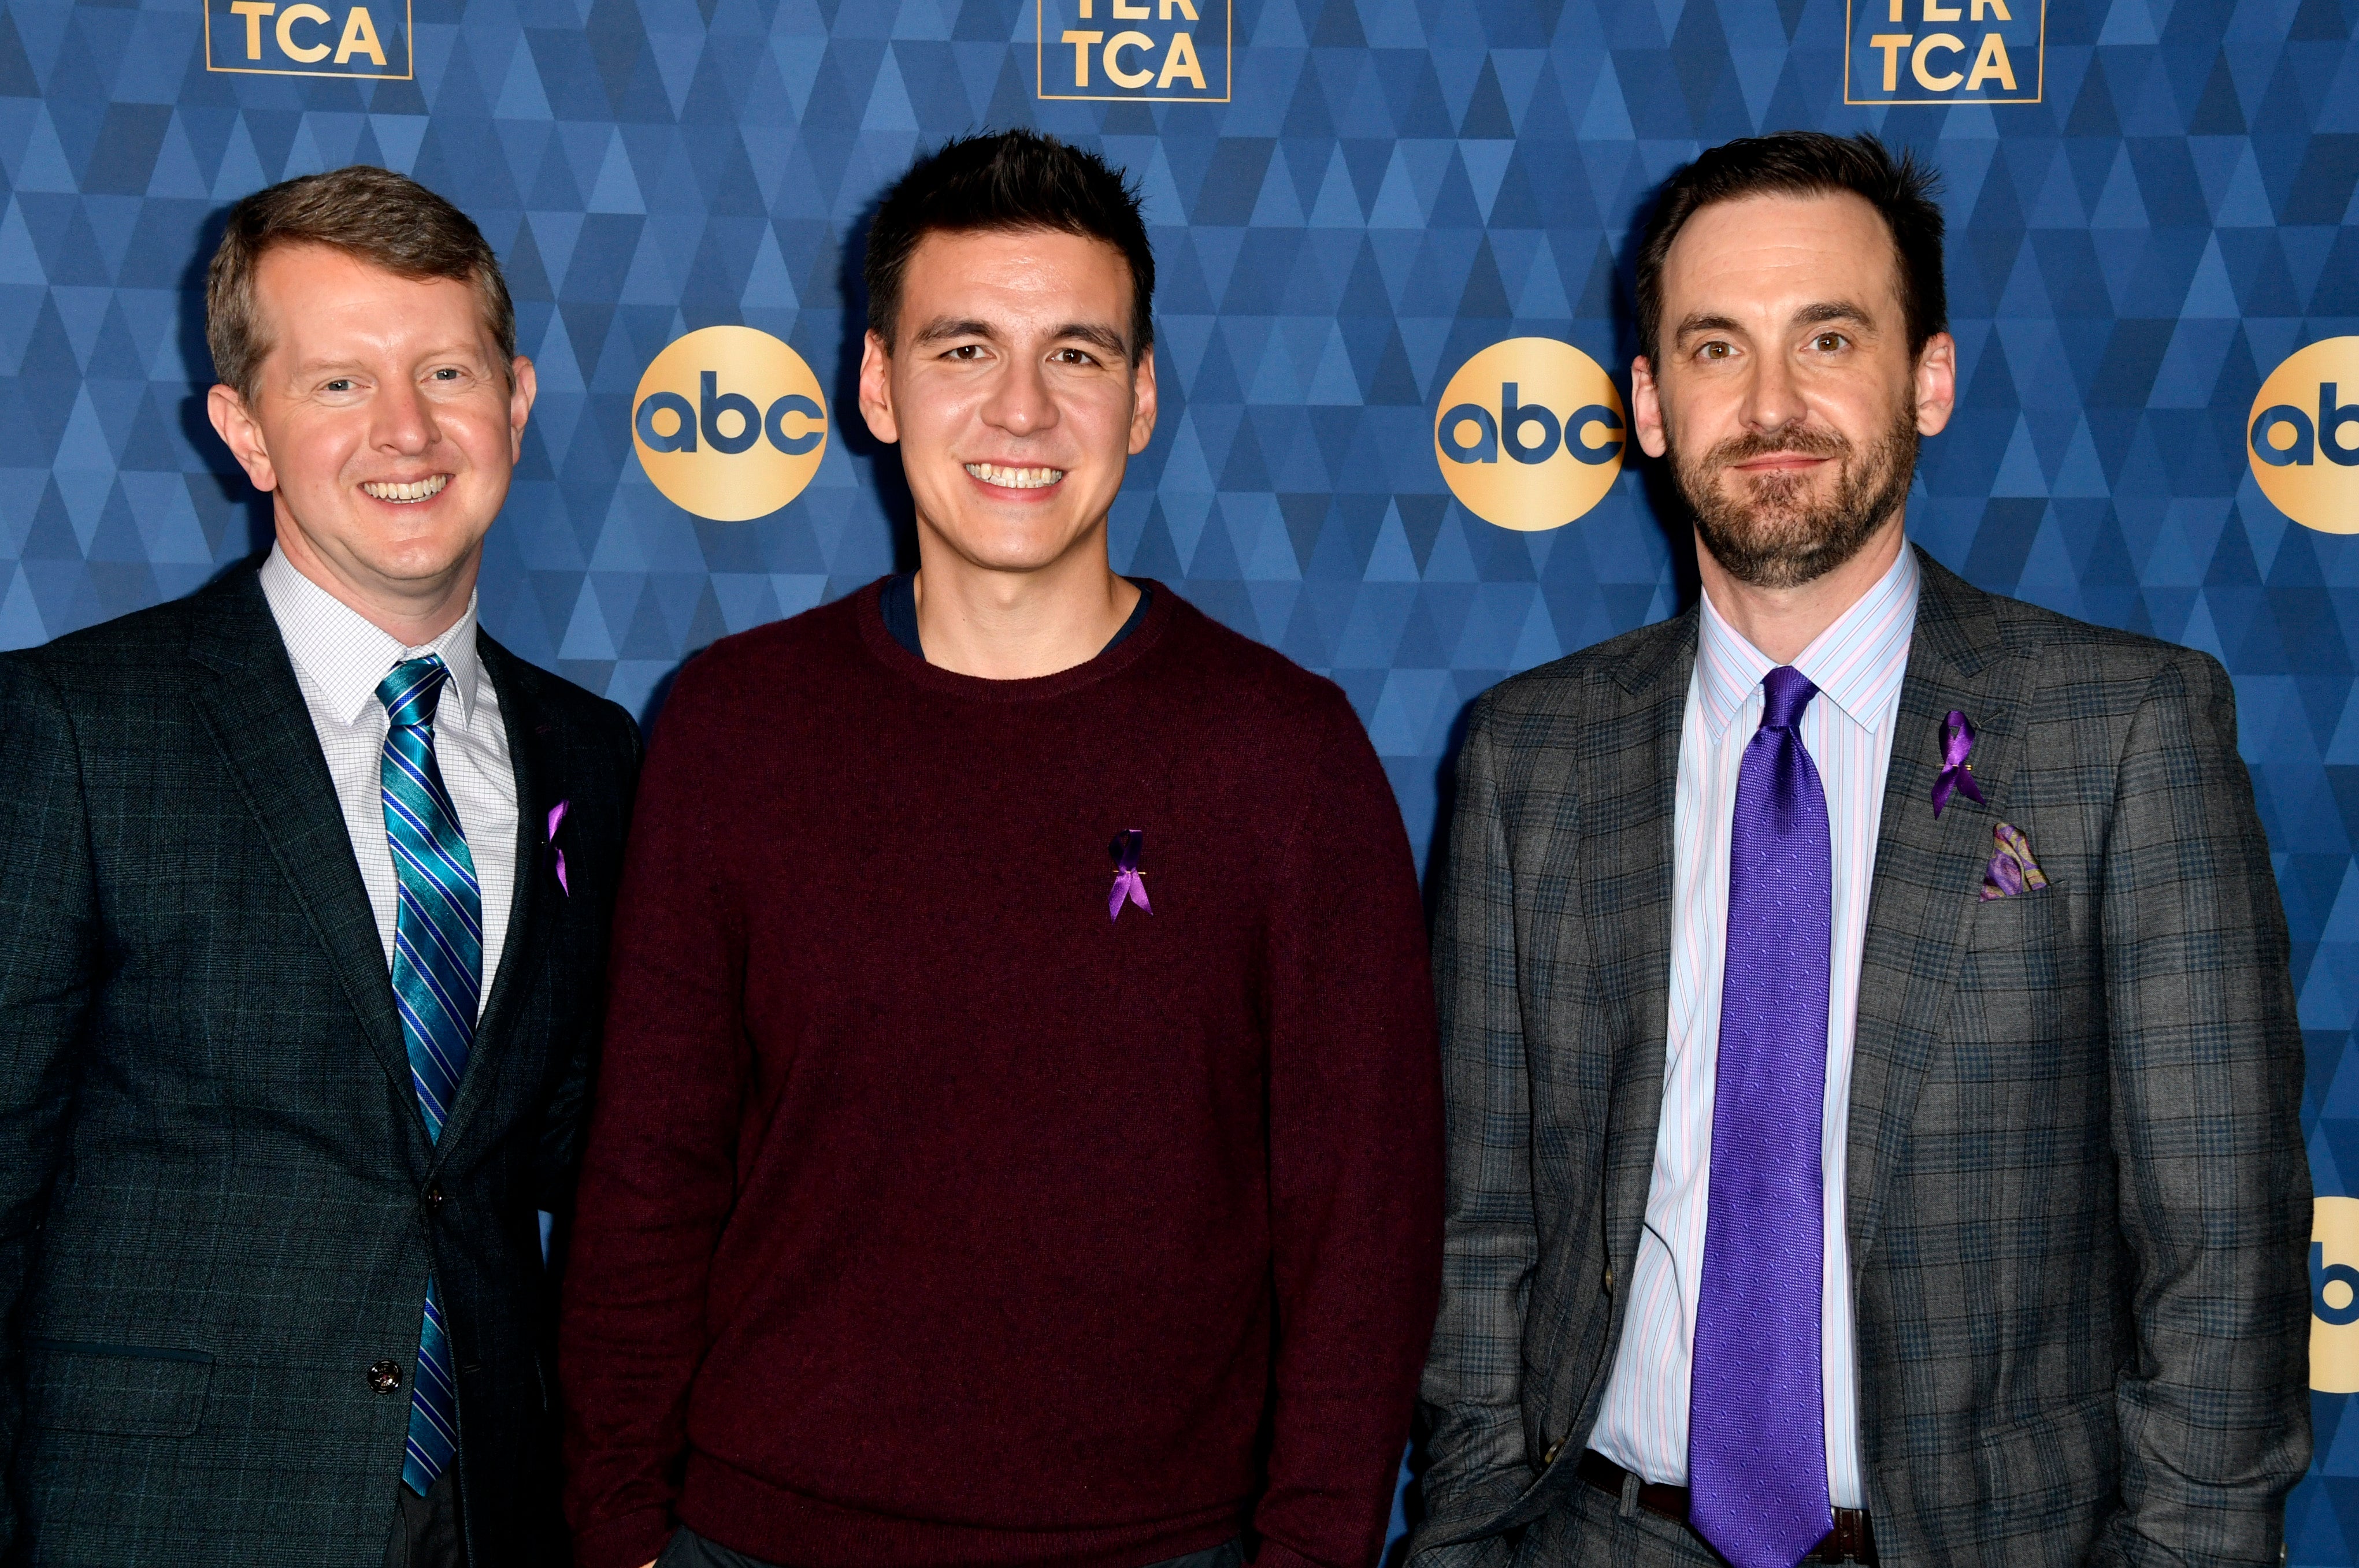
1354	1155
658	1174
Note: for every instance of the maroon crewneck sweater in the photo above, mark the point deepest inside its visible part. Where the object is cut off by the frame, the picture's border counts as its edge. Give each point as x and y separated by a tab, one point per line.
929	1217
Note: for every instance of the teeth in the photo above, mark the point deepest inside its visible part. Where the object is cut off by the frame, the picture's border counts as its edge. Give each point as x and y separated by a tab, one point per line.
1015	479
416	491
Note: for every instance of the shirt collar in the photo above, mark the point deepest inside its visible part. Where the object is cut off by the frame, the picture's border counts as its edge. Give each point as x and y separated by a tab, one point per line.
1857	664
345	656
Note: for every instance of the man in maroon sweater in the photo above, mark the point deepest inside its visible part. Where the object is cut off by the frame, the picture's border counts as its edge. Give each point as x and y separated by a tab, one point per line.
1019	1134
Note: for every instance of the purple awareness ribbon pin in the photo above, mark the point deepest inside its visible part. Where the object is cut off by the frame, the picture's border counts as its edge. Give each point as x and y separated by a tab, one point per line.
1957	744
1129	882
556	816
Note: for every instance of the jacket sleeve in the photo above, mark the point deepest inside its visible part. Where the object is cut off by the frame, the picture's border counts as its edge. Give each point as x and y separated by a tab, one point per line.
2214	1183
658	1174
48	970
1354	1162
1473	1390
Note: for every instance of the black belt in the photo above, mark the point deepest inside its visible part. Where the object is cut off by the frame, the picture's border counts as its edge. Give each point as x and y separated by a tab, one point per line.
1851	1540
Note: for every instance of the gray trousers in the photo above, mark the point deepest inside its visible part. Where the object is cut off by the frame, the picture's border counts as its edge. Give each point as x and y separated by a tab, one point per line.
1586	1529
690	1549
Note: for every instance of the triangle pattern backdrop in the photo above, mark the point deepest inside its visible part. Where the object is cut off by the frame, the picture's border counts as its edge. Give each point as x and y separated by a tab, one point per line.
1394	185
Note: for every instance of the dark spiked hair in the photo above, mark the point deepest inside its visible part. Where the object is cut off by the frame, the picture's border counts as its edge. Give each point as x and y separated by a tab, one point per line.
1002	180
1808	163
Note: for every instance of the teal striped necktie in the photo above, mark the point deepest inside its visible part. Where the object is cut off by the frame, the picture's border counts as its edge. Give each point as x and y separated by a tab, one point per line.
438	964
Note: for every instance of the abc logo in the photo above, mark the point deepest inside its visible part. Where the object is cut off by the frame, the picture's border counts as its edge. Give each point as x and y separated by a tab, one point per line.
1530	434
2334	1297
729	422
2304	436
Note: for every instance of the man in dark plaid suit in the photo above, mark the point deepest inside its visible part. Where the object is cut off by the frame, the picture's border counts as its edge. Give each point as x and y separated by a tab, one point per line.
1872	1073
304	892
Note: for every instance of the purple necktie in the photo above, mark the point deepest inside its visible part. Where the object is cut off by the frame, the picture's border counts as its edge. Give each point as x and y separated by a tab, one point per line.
1757	1423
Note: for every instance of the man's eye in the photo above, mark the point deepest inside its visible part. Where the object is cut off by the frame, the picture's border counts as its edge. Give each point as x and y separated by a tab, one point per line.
341	384
1828	342
1074	357
968	352
1715	351
448	372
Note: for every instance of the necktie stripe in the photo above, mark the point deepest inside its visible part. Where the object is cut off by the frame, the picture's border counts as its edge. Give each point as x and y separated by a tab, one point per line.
438	953
429	782
452	900
435	861
436	1010
442	955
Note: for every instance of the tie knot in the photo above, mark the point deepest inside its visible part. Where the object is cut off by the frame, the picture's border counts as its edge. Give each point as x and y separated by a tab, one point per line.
1786	691
413	688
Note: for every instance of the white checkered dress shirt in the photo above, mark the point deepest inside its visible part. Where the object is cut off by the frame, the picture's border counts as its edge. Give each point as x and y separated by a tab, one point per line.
339	658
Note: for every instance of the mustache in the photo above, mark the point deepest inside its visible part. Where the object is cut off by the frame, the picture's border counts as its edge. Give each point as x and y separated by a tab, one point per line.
1801	441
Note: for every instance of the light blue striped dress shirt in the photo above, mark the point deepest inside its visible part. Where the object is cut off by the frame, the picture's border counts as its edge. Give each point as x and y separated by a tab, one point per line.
1857	664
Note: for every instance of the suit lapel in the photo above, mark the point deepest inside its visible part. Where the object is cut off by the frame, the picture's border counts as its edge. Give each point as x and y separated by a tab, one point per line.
1928	873
255	712
1628	893
533	746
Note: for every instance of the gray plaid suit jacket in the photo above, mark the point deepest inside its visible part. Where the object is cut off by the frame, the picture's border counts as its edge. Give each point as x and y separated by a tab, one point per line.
218	1199
2079	1201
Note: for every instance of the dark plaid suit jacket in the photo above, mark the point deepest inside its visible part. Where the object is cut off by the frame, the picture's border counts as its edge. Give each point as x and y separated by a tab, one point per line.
2079	1201
218	1201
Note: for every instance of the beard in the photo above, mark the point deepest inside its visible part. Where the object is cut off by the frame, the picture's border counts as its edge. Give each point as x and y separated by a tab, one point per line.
1765	530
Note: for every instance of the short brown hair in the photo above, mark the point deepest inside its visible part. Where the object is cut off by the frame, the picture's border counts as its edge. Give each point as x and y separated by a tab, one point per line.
372	214
1808	163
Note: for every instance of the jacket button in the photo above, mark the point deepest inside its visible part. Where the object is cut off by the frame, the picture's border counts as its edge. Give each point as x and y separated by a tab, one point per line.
434	1195
1609	1279
385	1377
1554	1449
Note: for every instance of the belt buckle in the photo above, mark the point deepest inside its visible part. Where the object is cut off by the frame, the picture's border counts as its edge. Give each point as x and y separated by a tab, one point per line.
1852	1540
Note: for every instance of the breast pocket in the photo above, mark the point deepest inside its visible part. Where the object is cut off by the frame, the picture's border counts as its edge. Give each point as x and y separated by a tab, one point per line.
2012	925
123	1391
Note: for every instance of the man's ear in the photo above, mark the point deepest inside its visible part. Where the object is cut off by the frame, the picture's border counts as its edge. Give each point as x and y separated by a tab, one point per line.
1647	409
1142	404
234	423
524	386
877	389
1936	377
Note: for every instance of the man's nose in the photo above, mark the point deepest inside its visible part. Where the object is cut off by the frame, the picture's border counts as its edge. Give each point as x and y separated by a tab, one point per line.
404	418
1020	401
1773	400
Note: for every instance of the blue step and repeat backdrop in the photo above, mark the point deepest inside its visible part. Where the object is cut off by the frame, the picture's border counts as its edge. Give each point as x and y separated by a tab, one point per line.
1368	213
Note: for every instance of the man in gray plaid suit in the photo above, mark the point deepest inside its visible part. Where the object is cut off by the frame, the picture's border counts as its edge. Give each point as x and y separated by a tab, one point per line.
1872	1073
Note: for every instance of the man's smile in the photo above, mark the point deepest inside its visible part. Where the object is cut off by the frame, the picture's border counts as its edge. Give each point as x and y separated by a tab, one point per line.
1780	462
1008	478
408	492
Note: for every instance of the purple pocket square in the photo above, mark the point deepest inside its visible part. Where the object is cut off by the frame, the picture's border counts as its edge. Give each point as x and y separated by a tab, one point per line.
2012	871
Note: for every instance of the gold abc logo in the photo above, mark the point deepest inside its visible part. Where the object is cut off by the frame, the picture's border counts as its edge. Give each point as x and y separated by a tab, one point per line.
730	423
2334	1297
2304	437
1530	434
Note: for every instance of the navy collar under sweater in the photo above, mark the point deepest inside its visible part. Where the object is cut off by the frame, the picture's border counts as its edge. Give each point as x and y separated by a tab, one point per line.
899	608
